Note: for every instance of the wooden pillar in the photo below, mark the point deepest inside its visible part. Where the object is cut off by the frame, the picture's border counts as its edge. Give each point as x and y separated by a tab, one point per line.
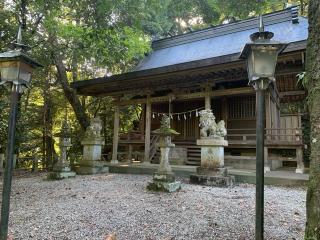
115	135
130	153
147	130
225	110
267	163
299	157
142	118
2	159
207	99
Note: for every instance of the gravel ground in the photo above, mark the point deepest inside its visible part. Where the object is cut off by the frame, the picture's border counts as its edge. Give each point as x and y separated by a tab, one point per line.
92	207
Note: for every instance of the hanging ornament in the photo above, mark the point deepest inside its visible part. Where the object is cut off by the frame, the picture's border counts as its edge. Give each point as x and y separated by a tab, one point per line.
184	116
178	117
171	116
153	116
190	114
197	113
159	115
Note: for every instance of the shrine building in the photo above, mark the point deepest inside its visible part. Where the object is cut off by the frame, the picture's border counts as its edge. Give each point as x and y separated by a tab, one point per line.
199	70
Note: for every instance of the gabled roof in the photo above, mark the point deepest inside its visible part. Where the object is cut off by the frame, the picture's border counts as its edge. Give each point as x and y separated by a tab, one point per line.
224	39
197	52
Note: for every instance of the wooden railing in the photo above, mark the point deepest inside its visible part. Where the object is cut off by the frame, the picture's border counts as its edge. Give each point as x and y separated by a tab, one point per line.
284	134
132	135
271	134
280	135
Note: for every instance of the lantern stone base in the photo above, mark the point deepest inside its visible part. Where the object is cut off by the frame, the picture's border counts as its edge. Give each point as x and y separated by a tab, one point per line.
215	177
92	167
61	172
164	182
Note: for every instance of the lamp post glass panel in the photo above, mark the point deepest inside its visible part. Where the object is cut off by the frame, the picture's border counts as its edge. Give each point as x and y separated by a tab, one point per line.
261	56
15	73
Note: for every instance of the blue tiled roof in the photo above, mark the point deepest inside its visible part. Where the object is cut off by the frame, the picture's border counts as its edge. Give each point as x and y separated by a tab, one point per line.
222	40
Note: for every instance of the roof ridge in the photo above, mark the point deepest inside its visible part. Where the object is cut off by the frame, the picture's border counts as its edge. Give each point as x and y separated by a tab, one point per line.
287	14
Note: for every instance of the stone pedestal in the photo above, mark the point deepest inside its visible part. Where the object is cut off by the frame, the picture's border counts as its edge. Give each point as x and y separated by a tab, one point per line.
164	179
91	162
212	171
60	172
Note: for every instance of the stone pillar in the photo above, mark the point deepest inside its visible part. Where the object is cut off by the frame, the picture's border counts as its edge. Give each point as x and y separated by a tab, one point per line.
147	130
62	169
115	135
2	156
91	162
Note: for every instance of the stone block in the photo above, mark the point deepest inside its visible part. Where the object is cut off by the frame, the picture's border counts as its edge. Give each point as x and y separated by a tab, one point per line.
212	172
92	167
92	150
212	142
164	186
178	156
213	180
59	175
164	177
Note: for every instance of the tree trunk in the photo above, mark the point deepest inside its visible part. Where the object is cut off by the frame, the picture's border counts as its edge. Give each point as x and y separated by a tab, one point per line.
312	231
70	94
48	141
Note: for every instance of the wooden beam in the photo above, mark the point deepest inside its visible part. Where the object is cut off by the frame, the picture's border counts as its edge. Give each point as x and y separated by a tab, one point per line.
199	95
292	93
147	130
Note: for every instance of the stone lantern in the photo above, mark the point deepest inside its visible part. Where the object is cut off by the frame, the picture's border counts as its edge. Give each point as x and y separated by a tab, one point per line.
62	169
164	179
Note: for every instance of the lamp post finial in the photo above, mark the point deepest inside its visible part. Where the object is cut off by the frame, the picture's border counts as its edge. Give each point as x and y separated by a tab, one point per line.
18	44
261	24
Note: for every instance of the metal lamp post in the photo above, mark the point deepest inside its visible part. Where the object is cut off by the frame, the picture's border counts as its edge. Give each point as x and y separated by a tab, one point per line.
261	56
15	73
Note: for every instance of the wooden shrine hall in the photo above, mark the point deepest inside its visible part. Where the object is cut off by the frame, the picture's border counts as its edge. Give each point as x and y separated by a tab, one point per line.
201	70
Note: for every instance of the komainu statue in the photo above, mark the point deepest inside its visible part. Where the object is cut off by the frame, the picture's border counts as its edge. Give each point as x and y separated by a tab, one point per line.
221	129
93	131
207	123
208	126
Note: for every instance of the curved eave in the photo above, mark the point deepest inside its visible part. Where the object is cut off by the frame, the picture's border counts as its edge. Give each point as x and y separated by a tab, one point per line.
147	79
